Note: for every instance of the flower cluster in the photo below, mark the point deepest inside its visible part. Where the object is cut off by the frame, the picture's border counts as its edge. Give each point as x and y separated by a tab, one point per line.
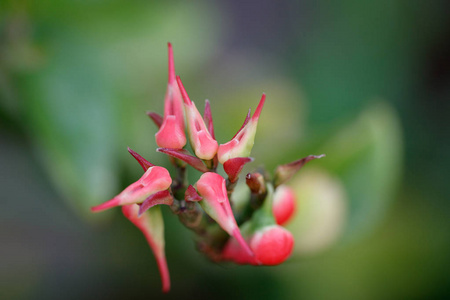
249	234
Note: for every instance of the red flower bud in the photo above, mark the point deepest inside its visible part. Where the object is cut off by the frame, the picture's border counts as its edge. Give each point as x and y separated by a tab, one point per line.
271	245
284	204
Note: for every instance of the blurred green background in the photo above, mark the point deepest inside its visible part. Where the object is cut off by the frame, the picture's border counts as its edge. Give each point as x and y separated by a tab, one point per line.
366	82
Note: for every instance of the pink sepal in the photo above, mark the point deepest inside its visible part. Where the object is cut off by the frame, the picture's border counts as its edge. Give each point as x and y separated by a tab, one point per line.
145	164
247	118
191	194
233	167
163	197
185	156
156	118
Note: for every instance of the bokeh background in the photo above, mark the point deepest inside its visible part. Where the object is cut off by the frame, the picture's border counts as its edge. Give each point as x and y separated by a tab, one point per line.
366	82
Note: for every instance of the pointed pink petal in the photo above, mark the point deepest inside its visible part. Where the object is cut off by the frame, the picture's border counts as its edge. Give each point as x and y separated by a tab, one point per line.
185	156
164	272
207	116
285	172
234	252
144	224
237	235
184	94
162	197
156	118
247	118
234	166
191	194
259	108
171	64
154	180
145	164
107	205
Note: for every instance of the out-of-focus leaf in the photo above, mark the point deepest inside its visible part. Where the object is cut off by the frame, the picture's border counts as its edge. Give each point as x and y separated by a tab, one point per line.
322	211
367	157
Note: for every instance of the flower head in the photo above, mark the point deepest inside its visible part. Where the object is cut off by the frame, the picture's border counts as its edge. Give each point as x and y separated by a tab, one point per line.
171	133
251	234
202	141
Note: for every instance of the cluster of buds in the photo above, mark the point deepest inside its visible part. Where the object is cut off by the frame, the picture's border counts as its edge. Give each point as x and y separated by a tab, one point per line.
251	234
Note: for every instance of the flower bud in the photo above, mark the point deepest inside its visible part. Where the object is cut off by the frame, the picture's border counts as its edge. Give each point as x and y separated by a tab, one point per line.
203	144
171	133
284	204
256	183
211	186
154	180
271	245
242	143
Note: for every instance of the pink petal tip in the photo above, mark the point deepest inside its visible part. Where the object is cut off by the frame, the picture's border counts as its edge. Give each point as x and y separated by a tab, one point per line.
184	94
107	205
145	164
171	63
259	108
156	118
238	236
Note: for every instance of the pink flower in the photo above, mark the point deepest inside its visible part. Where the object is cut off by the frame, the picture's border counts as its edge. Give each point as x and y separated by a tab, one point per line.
284	204
154	180
202	141
211	187
171	133
272	245
242	143
151	225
